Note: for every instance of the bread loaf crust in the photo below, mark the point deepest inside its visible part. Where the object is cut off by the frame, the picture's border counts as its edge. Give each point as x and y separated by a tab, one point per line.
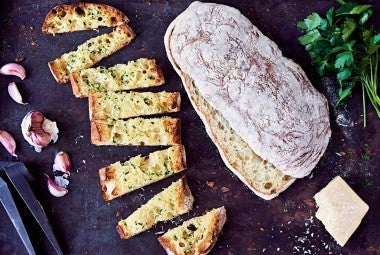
266	98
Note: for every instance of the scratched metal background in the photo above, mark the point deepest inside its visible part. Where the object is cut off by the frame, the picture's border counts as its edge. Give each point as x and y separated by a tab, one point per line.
85	224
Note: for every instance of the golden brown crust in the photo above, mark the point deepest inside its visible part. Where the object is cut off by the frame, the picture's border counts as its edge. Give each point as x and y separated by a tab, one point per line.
115	16
185	197
120	231
74	80
56	70
92	109
175	130
96	132
180	153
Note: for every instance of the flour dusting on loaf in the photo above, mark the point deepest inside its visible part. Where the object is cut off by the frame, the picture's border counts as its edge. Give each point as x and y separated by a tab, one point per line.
266	98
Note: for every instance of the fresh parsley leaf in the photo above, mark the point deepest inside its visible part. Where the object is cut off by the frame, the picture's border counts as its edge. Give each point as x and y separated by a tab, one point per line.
365	16
312	21
310	37
340	43
349	27
376	38
359	9
329	16
345	58
344	74
343	94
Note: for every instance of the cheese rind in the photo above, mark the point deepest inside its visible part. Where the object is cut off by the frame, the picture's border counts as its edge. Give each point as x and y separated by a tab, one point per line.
121	178
124	105
136	74
173	201
341	210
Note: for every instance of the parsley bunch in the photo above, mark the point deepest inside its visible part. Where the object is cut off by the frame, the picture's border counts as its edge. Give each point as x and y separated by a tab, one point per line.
340	43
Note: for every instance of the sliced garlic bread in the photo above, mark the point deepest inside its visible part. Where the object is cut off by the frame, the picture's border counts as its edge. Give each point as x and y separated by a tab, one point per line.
173	201
136	131
260	176
90	52
196	236
82	16
124	105
121	178
136	74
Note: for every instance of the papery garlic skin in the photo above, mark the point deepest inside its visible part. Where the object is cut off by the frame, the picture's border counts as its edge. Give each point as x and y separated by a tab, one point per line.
15	93
54	189
62	162
9	143
13	69
38	131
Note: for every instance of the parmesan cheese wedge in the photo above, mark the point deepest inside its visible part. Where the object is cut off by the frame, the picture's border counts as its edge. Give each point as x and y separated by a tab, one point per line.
340	209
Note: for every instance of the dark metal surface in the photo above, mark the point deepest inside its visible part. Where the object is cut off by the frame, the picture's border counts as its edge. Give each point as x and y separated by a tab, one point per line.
85	224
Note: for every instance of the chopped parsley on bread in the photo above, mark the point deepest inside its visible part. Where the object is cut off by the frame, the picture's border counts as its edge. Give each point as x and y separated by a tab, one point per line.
196	236
90	52
124	105
173	201
82	16
136	74
139	171
136	131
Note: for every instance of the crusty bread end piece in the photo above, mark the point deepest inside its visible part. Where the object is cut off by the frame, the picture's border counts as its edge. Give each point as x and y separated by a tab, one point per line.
136	131
173	201
90	52
124	105
136	74
121	178
82	16
196	236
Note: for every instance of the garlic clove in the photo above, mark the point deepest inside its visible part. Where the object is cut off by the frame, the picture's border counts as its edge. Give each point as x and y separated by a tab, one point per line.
13	69
38	131
9	143
62	162
54	189
62	181
15	93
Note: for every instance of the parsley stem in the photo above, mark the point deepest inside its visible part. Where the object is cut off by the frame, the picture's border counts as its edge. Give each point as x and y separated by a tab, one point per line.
364	108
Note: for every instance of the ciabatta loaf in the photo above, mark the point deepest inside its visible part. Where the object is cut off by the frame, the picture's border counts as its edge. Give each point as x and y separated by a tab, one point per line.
173	201
196	236
82	16
136	74
264	97
121	178
124	105
136	131
90	52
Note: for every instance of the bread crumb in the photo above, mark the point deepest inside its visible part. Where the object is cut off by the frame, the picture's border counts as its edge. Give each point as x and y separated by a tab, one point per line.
224	189
19	59
210	184
118	213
